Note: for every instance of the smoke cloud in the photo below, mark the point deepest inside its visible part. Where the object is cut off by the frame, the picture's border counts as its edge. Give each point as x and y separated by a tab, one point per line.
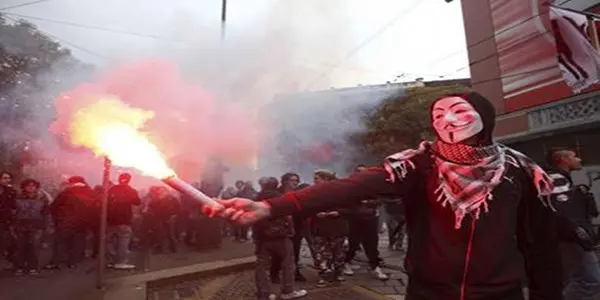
206	91
186	124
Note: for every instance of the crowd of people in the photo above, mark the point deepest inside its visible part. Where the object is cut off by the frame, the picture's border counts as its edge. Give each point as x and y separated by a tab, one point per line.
68	222
333	237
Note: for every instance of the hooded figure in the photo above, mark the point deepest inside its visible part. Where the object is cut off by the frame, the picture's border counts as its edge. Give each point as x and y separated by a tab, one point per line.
477	212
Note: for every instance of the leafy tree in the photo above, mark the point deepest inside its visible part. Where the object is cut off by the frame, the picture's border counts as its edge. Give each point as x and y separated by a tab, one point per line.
29	82
400	122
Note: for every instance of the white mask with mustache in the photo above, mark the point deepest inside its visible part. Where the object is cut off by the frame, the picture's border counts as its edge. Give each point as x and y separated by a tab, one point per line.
455	120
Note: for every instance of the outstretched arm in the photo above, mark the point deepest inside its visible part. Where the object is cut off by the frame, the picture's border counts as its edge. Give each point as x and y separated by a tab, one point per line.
539	242
339	193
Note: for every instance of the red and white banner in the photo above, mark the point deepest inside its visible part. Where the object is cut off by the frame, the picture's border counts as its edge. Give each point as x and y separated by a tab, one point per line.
578	60
526	52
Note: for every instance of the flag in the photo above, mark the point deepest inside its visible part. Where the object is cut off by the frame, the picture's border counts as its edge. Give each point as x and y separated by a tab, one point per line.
578	60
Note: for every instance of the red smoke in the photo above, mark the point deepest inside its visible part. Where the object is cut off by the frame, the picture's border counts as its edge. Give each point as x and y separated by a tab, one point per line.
319	154
189	125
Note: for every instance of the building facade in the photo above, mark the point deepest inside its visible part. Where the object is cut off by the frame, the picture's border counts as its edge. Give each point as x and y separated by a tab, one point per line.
513	62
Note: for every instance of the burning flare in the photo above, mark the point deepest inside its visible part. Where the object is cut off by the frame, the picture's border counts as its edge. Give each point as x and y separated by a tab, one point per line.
112	128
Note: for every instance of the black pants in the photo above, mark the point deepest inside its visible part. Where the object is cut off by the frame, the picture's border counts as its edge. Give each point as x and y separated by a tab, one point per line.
69	246
300	233
396	231
163	230
7	242
241	233
266	251
364	232
192	231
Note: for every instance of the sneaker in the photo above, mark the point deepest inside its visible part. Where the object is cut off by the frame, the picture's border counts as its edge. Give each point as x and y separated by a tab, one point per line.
51	267
347	270
19	272
123	266
377	273
293	295
33	272
340	278
321	283
272	297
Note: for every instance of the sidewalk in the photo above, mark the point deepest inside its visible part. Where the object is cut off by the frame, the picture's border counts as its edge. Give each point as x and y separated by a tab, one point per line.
78	284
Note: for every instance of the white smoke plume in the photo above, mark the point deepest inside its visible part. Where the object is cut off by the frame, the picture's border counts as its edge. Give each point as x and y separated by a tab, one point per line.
270	47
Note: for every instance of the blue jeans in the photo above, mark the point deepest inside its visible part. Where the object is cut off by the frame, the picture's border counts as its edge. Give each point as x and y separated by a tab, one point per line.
118	241
584	284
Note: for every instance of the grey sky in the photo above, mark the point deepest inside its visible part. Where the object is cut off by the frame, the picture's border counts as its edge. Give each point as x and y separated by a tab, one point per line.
311	44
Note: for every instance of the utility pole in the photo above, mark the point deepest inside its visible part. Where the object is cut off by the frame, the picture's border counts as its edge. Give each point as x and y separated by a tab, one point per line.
223	18
223	53
100	276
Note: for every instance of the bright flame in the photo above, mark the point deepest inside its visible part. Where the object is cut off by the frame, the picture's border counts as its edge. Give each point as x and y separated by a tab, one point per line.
111	128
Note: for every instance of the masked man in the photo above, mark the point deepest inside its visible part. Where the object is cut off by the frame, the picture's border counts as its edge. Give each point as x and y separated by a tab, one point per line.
474	209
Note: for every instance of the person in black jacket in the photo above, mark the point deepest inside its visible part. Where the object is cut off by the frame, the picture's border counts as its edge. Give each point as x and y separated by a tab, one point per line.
290	182
364	223
582	271
474	209
591	206
119	233
70	213
329	230
273	239
7	203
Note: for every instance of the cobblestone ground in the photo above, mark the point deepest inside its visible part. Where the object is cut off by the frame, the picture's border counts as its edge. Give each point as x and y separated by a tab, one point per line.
241	286
394	288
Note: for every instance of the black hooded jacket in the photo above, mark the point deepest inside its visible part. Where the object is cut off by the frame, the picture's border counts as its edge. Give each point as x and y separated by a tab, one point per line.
486	258
572	206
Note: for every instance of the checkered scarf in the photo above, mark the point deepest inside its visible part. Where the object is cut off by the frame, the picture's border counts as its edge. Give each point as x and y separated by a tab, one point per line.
468	175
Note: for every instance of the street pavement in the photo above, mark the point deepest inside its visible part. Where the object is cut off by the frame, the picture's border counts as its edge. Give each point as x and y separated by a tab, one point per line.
241	286
393	261
78	284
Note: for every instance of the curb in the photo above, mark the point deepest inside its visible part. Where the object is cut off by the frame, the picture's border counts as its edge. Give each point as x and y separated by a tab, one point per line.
369	294
135	287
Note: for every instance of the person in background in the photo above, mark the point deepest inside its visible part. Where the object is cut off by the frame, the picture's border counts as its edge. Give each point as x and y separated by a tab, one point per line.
191	212
163	210
240	232
273	239
32	217
590	200
395	223
7	203
364	230
228	228
95	218
121	199
70	214
580	262
329	230
291	182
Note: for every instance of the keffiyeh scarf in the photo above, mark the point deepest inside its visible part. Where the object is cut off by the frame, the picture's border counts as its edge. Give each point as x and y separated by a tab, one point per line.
467	175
